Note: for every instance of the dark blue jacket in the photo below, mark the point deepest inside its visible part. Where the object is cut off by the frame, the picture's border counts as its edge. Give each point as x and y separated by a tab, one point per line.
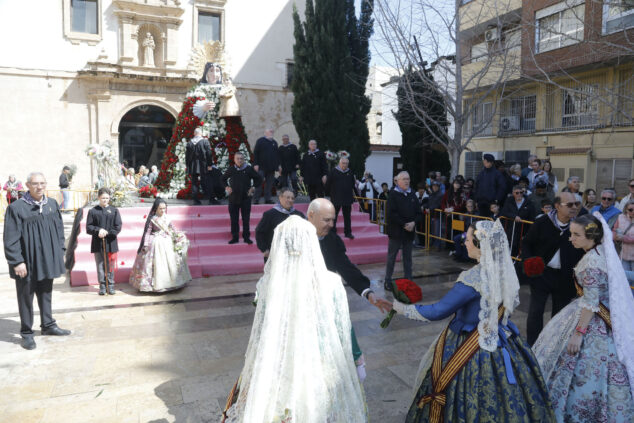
490	185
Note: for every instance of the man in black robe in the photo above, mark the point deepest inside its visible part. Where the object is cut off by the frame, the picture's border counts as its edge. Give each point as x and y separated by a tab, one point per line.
341	186
289	162
240	181
314	169
34	249
266	162
272	218
199	161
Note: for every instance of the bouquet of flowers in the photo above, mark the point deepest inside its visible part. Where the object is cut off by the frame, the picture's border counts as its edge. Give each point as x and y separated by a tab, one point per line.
181	244
406	292
148	191
330	156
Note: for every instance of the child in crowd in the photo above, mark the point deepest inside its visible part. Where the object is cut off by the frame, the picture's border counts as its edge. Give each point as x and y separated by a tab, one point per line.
547	206
494	208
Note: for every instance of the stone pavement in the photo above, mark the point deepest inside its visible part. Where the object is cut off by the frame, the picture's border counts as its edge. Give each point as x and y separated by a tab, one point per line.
174	357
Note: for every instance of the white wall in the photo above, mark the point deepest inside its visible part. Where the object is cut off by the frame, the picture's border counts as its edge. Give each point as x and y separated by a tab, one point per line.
258	37
391	131
380	164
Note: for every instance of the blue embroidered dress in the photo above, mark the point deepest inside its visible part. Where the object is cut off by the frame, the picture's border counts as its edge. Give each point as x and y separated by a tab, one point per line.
505	385
592	385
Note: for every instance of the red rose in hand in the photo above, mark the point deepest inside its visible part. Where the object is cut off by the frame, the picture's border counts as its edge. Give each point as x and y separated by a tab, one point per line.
406	292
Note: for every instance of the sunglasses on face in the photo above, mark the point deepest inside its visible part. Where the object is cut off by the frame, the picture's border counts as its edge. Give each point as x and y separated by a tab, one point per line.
630	209
571	204
606	198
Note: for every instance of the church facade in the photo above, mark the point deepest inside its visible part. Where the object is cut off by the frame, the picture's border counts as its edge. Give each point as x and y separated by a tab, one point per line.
85	71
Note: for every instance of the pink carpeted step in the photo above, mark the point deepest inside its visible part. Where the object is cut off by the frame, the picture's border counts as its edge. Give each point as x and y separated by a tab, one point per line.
207	228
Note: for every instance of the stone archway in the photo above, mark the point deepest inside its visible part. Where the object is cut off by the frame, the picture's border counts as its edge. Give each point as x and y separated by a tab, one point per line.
144	133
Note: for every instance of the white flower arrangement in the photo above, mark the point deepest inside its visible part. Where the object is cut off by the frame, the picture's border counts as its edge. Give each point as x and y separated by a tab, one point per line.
109	168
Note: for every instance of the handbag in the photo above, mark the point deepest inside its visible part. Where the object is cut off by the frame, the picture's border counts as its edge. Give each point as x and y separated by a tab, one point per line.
619	244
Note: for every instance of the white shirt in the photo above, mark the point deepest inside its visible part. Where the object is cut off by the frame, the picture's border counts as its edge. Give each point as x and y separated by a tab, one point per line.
555	262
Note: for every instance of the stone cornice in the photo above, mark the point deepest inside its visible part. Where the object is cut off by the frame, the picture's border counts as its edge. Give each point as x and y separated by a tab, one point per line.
129	9
96	71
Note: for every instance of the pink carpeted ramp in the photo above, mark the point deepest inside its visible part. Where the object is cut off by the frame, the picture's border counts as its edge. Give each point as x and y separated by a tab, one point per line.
208	230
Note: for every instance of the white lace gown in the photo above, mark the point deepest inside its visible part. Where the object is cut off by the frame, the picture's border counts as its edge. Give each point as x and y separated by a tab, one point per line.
162	265
593	385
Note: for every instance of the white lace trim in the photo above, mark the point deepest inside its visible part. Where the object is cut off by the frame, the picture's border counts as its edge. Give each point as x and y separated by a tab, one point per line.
621	302
409	311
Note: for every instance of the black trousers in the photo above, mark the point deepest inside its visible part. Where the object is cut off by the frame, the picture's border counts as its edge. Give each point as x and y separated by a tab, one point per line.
347	226
197	182
43	291
269	180
315	190
245	210
292	175
214	189
550	283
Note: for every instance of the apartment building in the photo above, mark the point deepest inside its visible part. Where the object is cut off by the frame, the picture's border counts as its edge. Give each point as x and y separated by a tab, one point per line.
567	94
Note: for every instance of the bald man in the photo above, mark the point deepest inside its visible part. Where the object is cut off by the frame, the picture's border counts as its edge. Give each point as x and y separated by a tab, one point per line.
321	213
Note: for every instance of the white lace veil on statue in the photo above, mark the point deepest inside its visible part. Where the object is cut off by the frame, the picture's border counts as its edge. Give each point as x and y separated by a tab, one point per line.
621	302
299	360
498	281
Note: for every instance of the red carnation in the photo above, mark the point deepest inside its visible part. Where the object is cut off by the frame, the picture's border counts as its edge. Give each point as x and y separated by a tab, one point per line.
406	292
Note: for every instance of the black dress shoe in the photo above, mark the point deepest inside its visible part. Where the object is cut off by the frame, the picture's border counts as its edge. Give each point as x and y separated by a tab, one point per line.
233	241
55	331
248	241
269	202
349	236
102	289
387	286
214	202
28	343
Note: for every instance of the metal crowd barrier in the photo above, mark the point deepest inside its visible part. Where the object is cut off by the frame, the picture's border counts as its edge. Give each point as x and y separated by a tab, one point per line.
442	226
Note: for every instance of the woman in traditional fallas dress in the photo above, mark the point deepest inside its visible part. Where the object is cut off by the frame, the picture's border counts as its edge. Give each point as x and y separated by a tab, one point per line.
479	369
161	261
586	351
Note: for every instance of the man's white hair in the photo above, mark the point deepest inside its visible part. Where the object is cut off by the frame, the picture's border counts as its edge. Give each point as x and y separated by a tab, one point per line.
400	175
316	205
198	131
30	176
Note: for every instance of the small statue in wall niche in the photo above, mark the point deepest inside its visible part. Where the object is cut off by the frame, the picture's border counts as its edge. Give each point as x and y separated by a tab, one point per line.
148	50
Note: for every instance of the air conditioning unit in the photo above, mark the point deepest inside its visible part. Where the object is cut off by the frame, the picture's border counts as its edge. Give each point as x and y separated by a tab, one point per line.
510	123
492	34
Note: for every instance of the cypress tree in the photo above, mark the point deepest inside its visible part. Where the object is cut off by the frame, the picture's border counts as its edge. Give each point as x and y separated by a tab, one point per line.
332	59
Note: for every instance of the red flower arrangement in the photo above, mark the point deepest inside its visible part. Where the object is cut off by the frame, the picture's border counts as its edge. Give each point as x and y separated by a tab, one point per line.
534	266
148	191
406	292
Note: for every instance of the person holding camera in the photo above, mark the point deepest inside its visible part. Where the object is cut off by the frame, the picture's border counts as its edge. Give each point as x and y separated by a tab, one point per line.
370	189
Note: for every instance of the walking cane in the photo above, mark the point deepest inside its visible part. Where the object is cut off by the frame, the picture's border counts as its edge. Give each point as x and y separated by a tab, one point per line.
105	264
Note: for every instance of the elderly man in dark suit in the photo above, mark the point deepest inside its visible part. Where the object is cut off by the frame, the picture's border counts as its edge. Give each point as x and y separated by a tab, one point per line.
549	240
266	163
240	180
403	214
314	169
340	186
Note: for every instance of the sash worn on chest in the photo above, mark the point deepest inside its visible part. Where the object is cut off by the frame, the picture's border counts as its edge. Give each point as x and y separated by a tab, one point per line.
604	312
442	377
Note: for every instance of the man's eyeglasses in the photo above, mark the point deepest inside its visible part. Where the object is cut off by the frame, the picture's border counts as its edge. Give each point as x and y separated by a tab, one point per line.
37	184
631	186
606	198
571	204
630	210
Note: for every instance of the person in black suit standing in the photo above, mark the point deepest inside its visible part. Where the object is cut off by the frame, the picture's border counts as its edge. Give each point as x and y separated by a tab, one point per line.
199	161
314	169
240	180
272	218
340	186
403	214
266	162
289	162
548	239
